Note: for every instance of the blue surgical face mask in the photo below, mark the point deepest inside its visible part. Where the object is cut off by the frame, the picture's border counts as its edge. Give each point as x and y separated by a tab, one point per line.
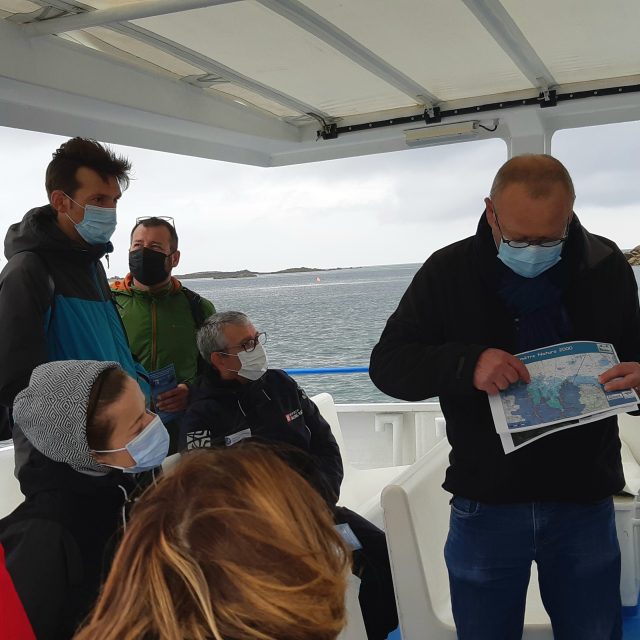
98	223
530	261
149	448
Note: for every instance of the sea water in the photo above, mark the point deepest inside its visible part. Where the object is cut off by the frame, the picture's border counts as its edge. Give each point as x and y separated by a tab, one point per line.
320	319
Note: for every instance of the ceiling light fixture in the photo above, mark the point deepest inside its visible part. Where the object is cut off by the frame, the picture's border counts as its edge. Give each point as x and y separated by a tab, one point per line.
442	133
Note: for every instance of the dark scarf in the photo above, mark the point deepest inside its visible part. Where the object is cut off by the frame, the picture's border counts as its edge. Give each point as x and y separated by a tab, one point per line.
536	304
537	307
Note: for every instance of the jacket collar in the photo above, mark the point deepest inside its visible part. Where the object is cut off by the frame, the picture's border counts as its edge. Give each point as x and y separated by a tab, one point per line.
43	474
126	285
39	232
211	385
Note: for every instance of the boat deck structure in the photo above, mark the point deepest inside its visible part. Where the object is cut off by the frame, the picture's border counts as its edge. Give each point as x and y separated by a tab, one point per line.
280	82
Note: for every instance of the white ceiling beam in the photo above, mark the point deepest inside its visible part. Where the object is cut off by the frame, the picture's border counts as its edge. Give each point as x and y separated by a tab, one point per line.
194	58
502	28
300	15
99	17
208	65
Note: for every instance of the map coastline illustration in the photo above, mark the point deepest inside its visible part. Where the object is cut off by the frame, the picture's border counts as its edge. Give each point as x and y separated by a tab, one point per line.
560	389
563	391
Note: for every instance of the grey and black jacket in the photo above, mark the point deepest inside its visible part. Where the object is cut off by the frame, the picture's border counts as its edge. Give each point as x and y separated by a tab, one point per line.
273	409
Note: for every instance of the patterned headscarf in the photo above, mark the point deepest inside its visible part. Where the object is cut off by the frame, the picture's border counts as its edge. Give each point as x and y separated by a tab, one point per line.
52	411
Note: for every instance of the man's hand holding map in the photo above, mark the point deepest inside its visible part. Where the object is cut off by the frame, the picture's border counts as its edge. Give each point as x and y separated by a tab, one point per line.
570	384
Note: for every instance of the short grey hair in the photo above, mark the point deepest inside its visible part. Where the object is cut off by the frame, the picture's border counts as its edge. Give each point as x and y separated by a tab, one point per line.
210	336
539	172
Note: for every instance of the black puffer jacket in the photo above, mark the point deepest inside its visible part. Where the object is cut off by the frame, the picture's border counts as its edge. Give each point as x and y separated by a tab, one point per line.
452	312
272	409
59	543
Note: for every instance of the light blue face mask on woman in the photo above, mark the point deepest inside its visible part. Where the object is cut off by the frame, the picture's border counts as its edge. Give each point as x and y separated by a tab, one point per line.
530	261
149	448
98	223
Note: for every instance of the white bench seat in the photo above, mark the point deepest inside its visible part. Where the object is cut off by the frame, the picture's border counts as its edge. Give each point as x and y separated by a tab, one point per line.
361	488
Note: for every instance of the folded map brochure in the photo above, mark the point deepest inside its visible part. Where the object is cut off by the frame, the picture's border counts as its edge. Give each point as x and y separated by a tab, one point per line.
564	392
163	380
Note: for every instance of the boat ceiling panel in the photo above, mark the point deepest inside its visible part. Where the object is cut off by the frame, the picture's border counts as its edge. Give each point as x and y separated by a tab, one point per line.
136	52
440	44
589	40
264	46
108	4
18	6
240	95
153	58
255	80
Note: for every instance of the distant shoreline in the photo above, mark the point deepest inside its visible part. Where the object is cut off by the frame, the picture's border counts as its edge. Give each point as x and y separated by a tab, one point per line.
245	273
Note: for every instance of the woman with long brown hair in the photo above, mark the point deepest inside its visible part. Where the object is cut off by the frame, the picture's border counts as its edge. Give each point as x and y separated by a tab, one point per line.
232	544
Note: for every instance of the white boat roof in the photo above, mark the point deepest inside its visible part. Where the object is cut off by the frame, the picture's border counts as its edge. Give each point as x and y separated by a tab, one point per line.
276	82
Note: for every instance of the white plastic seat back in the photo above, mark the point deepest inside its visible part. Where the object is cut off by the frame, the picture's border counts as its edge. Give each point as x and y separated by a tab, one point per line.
629	427
355	629
327	408
10	494
361	488
416	514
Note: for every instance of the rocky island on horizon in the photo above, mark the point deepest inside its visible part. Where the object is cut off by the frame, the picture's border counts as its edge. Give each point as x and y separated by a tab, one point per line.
633	256
245	273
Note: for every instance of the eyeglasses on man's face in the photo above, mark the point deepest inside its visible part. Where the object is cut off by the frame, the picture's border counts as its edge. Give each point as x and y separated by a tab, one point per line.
250	344
522	244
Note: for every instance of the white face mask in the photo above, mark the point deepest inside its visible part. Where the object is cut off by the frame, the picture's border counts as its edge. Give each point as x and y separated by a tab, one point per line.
253	364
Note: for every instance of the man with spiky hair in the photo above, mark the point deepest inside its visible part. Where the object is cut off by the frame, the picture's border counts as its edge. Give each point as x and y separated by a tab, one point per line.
55	302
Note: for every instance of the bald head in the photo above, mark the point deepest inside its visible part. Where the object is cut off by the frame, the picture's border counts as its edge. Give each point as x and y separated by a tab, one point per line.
531	200
539	174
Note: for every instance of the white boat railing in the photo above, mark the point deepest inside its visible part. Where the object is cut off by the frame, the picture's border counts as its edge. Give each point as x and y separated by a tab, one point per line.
390	434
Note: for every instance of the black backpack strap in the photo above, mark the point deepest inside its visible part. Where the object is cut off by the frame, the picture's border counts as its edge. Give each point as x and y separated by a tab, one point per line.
194	302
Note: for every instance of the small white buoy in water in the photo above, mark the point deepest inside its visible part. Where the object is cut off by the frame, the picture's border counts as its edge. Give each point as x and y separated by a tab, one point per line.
317	279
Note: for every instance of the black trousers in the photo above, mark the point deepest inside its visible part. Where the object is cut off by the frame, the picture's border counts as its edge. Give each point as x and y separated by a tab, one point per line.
371	565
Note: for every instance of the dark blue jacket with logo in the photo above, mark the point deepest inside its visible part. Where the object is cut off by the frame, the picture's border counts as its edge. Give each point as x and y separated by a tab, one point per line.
273	409
55	304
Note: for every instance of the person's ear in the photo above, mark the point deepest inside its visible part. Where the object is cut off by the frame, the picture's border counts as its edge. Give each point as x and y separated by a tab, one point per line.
216	359
491	214
175	259
59	201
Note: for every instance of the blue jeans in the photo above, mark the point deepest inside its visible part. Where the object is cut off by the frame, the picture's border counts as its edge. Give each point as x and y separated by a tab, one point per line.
489	551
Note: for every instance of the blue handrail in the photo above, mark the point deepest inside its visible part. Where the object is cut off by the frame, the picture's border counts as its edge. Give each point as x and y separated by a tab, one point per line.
332	370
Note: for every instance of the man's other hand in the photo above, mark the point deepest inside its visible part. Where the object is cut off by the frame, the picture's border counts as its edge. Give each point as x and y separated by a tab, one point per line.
174	400
497	369
623	376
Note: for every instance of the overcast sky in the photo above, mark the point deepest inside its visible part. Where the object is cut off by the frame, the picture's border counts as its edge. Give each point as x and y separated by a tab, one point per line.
385	209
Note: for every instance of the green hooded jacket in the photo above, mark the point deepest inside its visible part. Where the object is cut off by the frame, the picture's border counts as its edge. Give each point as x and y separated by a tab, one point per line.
161	327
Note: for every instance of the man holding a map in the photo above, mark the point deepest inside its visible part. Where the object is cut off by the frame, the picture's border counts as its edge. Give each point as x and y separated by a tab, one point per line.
540	317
